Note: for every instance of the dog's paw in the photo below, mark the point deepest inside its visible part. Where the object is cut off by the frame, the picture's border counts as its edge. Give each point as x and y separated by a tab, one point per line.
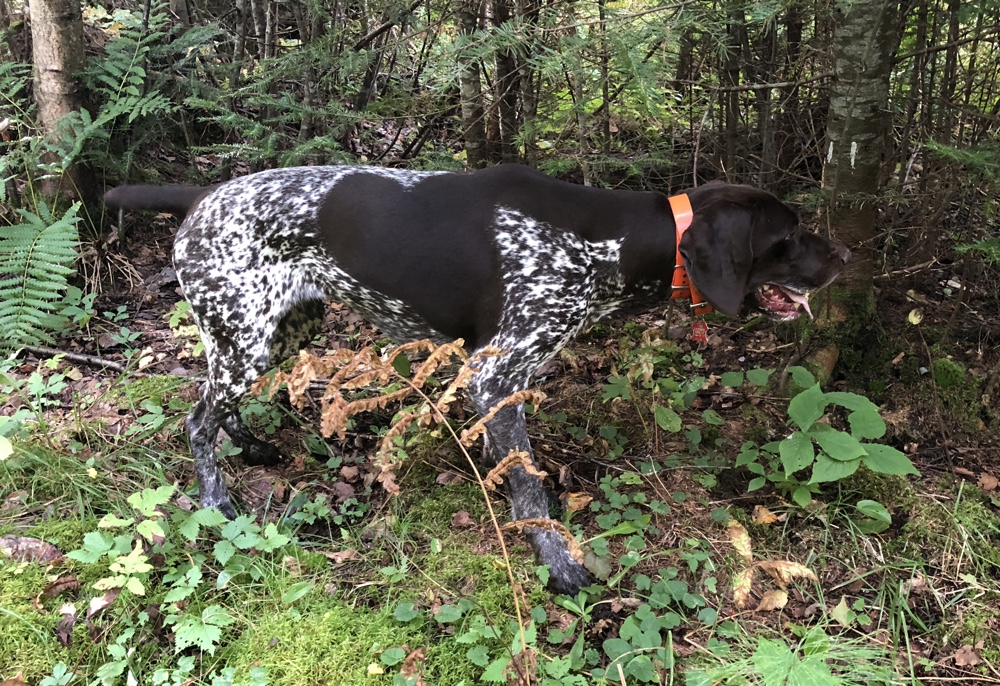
261	454
566	575
568	578
223	505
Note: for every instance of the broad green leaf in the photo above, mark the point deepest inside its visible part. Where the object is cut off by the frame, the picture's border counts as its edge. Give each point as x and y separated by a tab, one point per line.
802	496
852	401
406	612
667	419
148	499
796	453
773	661
614	648
827	469
296	592
641	667
712	417
113	521
210	516
838	444
224	551
151	530
808	406
447	614
815	642
802	376
494	673
880	519
478	656
866	425
812	671
393	656
732	379
887	460
759	377
135	586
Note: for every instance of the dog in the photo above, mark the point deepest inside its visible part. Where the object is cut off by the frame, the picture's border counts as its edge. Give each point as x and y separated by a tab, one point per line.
504	257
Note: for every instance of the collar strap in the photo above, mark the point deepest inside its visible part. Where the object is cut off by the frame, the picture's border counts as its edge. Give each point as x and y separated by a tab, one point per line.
681	286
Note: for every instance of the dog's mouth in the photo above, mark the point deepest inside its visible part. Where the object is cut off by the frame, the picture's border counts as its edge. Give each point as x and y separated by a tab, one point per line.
781	302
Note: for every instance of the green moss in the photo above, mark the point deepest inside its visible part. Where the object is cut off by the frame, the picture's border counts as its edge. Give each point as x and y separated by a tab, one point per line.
142	388
324	641
958	391
27	638
948	374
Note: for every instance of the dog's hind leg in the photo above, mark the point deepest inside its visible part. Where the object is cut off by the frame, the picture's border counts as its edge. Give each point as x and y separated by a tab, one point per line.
295	330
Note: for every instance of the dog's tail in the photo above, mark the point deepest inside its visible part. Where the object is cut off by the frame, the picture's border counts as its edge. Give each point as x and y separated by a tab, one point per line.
177	200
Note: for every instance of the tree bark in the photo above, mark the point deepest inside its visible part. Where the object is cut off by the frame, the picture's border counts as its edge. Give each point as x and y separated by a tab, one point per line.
470	89
57	53
506	87
857	126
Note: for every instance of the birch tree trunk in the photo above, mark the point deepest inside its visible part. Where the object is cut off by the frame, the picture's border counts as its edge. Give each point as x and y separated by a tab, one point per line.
57	54
857	128
470	89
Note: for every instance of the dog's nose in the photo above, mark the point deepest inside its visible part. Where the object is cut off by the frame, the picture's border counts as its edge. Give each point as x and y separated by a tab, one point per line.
843	253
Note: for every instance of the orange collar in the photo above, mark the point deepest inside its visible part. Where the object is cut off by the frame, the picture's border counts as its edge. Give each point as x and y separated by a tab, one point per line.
681	287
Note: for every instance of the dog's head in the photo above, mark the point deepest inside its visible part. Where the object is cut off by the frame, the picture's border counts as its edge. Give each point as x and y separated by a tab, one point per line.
744	241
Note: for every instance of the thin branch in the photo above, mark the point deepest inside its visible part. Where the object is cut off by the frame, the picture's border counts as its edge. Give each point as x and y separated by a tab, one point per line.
76	357
379	30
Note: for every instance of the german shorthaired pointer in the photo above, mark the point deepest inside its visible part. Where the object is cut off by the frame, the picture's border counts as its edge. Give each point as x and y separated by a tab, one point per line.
504	257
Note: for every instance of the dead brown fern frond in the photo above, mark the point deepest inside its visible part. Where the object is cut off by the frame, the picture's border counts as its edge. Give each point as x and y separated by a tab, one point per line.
470	435
515	458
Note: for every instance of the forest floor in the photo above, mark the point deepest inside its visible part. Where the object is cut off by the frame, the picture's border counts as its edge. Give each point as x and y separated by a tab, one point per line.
331	580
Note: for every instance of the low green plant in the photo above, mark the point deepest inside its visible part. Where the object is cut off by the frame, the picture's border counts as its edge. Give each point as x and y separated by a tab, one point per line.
157	554
36	258
816	452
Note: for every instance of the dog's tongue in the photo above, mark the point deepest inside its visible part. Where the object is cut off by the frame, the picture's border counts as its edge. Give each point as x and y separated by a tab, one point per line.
800	299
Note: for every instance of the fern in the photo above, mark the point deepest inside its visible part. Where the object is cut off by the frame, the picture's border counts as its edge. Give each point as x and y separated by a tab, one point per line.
35	259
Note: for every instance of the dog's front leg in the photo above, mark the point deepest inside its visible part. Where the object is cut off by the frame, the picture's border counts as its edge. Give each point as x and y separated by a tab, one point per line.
203	427
528	497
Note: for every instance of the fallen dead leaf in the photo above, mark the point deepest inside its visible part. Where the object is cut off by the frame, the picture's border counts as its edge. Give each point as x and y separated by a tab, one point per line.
412	667
916	584
577	501
462	520
292	564
448	478
784	571
341	556
763	516
740	539
26	549
16	680
773	600
350	473
61	585
988	482
64	627
966	656
98	604
742	584
343	491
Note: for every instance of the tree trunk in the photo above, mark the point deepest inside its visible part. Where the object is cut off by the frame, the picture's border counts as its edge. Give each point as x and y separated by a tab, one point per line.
857	127
57	53
506	88
470	89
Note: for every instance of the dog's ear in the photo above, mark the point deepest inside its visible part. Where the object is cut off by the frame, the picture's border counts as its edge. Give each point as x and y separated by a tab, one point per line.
718	254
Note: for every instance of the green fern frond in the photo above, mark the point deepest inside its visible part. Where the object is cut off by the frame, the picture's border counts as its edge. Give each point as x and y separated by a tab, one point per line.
35	261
